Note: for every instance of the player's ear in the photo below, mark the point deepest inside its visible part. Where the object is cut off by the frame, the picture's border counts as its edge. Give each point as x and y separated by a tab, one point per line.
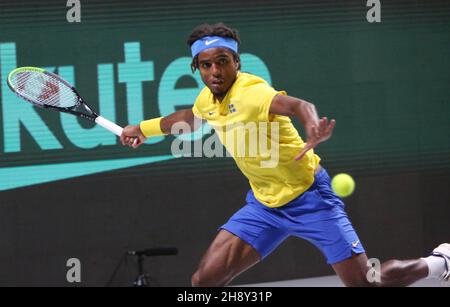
237	63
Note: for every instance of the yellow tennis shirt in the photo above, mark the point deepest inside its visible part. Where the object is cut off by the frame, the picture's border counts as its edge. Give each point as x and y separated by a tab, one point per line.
263	145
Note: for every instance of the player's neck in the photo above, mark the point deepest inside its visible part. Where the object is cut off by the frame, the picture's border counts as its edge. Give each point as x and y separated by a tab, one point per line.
220	97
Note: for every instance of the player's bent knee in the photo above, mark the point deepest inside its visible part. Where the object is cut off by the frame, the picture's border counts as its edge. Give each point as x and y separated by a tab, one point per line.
198	280
203	279
195	280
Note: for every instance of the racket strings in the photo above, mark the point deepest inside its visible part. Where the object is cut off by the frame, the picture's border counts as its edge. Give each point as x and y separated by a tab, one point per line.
43	89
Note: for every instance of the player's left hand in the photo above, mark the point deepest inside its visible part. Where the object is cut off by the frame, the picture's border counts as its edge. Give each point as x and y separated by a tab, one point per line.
317	134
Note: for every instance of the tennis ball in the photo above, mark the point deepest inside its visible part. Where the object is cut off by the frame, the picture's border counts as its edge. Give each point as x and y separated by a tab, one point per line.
343	184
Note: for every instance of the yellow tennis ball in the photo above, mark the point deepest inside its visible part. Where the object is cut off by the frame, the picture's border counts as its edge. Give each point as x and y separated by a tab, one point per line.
343	184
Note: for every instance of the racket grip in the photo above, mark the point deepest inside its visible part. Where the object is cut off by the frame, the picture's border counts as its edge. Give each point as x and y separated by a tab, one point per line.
109	125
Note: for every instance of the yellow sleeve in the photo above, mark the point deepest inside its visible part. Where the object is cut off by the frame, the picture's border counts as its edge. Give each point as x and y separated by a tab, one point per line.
260	97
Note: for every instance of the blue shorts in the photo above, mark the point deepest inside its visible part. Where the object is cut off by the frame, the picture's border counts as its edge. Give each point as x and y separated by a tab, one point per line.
317	216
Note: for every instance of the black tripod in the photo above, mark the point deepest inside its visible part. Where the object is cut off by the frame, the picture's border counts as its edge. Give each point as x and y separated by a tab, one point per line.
142	278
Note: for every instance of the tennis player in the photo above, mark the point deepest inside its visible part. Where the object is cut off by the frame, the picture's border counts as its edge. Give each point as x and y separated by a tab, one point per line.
291	198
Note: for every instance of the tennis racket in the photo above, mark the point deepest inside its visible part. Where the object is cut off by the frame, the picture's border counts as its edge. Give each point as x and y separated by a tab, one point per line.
48	90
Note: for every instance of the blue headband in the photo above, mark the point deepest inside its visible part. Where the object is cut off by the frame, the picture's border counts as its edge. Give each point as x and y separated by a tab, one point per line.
213	42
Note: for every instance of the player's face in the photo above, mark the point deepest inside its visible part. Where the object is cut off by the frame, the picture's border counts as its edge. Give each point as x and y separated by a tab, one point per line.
218	70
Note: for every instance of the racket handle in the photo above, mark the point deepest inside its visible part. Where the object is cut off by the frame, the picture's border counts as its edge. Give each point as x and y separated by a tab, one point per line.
109	125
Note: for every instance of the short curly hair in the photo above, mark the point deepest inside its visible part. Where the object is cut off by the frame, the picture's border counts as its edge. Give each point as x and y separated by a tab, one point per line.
218	29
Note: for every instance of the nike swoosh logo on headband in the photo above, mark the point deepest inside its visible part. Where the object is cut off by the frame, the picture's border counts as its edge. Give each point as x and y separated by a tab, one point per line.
207	43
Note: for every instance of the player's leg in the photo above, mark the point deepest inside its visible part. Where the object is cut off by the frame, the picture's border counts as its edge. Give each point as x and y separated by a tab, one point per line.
338	241
250	235
226	257
328	227
353	272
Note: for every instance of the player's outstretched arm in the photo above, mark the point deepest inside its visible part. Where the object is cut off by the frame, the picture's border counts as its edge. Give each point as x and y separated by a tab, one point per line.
135	135
317	130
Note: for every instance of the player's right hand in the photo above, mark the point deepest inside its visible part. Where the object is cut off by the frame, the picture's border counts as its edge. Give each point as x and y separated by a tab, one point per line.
132	136
317	134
